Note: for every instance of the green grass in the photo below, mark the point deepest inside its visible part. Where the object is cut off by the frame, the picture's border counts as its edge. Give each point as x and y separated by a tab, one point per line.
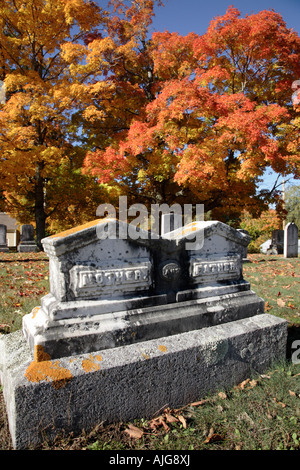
23	281
263	413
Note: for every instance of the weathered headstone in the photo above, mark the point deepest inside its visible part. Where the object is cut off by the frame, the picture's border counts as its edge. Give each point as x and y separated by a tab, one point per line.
134	324
291	240
27	242
245	252
3	241
277	242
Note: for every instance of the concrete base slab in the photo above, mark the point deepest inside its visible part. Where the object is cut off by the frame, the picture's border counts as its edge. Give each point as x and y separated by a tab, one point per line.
77	392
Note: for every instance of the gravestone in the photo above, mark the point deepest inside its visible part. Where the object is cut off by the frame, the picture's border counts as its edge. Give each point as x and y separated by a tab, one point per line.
277	242
27	242
3	241
245	252
133	324
291	240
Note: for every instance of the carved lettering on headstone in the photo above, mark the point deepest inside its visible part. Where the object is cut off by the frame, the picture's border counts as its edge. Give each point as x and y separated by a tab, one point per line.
89	281
228	268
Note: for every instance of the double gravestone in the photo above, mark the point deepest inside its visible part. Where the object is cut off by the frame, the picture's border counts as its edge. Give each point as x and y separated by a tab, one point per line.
132	324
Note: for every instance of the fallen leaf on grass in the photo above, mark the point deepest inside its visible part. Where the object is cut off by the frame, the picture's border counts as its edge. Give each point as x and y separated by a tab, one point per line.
283	405
250	383
170	418
267	306
222	395
213	437
243	384
182	420
159	421
134	432
197	403
280	303
293	394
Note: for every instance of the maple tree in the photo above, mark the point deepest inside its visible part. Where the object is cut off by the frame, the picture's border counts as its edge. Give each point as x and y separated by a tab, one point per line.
199	118
260	228
40	156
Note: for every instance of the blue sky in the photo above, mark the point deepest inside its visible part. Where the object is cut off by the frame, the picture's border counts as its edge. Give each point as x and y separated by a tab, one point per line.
186	16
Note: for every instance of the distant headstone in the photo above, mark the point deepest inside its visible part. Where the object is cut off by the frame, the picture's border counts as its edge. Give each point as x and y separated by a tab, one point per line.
291	240
245	250
3	241
264	247
276	247
27	243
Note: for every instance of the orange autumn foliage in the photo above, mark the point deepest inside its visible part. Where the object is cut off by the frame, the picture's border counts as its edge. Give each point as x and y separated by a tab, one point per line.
200	118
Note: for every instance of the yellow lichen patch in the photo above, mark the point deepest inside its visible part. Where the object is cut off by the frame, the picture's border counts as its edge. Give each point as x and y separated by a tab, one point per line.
162	348
192	227
89	364
35	311
40	355
77	229
44	369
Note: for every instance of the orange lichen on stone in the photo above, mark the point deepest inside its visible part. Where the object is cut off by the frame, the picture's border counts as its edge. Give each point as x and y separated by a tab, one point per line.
162	348
40	355
41	368
35	311
192	227
89	364
65	233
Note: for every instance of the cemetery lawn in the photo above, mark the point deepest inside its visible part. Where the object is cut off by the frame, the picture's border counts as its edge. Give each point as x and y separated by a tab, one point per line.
263	412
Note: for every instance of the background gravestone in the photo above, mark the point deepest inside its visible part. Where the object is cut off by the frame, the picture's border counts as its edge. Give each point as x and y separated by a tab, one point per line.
277	242
245	249
291	240
27	243
3	242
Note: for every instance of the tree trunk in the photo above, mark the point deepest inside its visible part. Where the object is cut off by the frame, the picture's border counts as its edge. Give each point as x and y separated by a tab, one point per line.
40	215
